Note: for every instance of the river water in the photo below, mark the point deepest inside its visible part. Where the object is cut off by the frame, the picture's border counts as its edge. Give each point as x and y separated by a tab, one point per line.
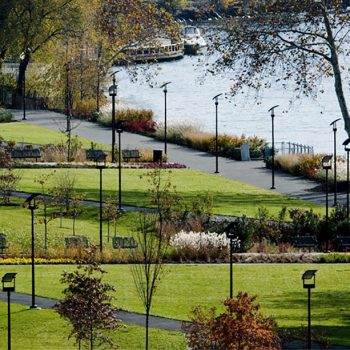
189	100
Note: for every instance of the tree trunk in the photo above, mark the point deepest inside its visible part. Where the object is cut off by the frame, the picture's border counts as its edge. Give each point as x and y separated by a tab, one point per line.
147	326
338	84
340	95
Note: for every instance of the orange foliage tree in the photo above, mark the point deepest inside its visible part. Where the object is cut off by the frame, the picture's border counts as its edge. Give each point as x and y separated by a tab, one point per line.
240	327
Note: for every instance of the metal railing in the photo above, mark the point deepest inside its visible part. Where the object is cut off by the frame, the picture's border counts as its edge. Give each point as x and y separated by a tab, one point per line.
285	147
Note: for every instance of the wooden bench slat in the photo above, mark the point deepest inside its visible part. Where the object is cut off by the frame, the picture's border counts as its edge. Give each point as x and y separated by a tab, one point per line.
131	154
96	155
304	242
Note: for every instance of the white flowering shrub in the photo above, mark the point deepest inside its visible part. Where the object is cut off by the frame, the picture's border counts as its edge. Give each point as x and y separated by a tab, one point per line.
202	245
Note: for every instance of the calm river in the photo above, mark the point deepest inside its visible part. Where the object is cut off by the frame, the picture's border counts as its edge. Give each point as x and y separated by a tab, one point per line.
190	100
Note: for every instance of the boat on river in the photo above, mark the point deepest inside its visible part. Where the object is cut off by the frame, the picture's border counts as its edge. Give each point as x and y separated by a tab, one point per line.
160	50
192	39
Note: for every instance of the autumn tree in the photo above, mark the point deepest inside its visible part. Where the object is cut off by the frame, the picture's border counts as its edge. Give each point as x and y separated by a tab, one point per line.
283	41
240	327
87	304
33	24
134	23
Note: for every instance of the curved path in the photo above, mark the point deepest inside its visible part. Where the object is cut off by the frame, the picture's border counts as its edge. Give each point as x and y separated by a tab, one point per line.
251	172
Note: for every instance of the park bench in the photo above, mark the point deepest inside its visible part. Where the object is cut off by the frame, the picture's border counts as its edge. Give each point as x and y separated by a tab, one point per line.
342	242
76	241
123	242
96	155
26	153
131	154
305	242
3	243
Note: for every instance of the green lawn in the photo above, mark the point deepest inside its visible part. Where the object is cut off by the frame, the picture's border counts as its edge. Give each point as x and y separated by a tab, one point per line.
45	330
230	197
278	286
23	132
15	222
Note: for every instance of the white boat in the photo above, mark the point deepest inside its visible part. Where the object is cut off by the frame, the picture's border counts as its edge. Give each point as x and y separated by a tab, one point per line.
160	50
192	39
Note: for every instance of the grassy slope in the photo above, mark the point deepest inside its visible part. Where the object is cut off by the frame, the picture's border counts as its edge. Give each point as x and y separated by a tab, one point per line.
23	132
45	330
230	197
279	290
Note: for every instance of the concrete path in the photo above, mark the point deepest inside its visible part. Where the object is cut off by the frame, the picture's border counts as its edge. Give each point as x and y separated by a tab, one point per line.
135	318
252	172
124	316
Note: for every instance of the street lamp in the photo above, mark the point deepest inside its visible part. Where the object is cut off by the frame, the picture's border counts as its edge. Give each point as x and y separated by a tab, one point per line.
334	124
119	129
32	206
346	143
309	282
272	110
231	230
216	98
327	165
100	167
165	90
22	58
113	92
9	285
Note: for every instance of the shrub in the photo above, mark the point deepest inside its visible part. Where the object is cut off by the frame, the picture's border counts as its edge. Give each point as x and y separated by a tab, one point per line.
201	245
308	165
5	116
288	163
335	258
85	109
240	326
305	222
136	120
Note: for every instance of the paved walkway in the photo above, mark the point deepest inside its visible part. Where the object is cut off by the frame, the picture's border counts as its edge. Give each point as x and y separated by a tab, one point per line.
124	316
135	318
252	172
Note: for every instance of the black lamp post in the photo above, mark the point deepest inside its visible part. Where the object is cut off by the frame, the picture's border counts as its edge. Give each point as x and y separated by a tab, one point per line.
100	167
309	278
327	165
334	124
9	285
113	92
231	235
32	206
272	110
346	143
216	99
119	129
22	58
165	90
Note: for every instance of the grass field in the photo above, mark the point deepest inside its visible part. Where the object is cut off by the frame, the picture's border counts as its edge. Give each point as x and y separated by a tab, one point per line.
45	330
230	197
15	222
23	132
278	286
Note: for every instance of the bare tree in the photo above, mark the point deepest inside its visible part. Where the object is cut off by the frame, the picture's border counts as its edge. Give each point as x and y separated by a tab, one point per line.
152	241
42	180
287	40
